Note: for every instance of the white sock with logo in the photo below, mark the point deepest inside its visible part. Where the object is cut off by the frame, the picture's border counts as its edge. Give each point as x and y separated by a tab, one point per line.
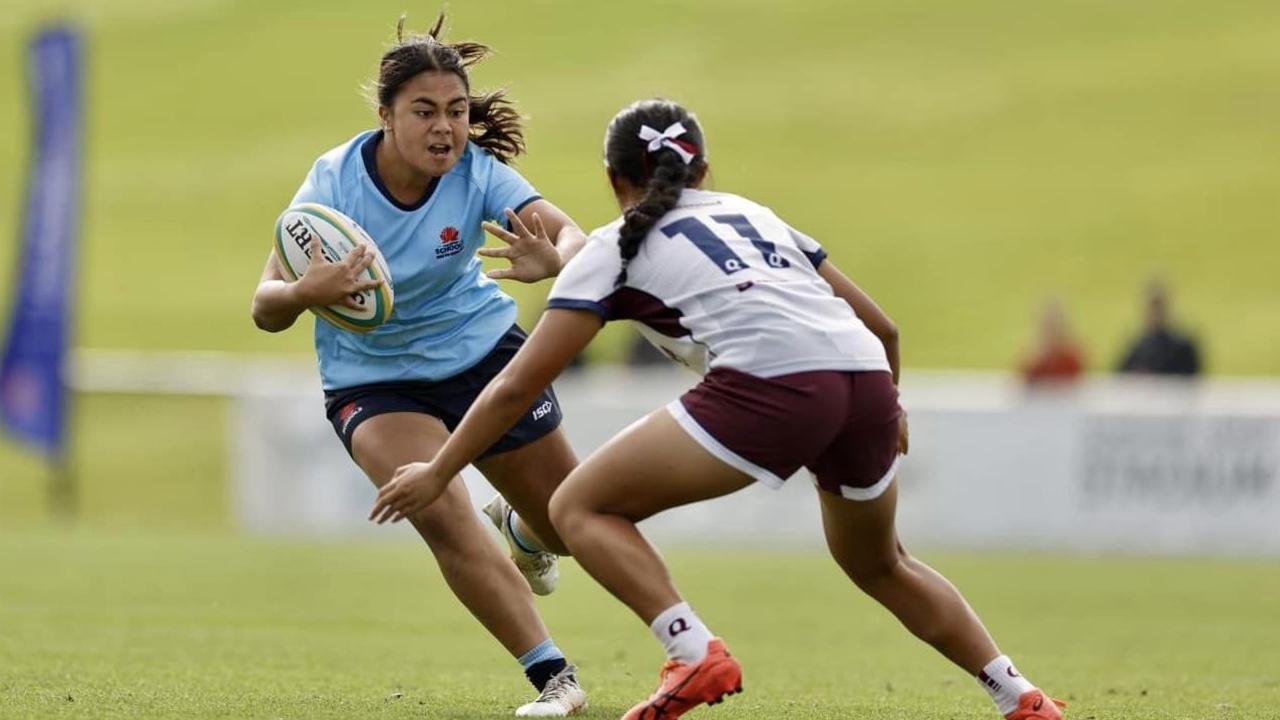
1004	683
682	633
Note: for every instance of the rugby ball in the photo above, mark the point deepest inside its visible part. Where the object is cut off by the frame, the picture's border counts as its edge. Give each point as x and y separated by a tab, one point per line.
338	235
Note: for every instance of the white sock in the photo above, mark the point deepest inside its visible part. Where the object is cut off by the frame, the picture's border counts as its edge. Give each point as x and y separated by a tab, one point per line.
1002	681
682	633
523	541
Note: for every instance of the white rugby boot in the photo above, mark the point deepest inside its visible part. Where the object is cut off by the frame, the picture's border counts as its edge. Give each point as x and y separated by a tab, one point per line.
540	569
561	697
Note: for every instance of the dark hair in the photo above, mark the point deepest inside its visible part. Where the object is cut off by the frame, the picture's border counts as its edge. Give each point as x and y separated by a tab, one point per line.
495	124
662	173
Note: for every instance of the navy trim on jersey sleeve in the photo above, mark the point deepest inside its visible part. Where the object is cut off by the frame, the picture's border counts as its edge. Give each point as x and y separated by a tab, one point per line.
526	203
571	304
816	258
507	223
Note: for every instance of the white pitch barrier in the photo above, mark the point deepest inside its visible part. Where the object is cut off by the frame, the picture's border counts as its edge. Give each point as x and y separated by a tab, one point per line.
1108	465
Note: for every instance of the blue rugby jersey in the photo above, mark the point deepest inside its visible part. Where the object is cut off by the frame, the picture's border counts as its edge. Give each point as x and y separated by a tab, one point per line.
447	314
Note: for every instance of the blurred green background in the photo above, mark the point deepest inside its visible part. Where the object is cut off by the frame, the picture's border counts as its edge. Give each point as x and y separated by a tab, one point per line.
963	161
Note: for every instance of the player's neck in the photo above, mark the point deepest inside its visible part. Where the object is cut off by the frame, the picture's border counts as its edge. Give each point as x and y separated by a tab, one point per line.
629	195
401	179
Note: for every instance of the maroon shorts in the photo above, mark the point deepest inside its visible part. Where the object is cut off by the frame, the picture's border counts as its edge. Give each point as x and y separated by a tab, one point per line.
842	426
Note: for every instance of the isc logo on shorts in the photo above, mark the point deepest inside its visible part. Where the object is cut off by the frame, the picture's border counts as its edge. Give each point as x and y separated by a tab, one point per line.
543	410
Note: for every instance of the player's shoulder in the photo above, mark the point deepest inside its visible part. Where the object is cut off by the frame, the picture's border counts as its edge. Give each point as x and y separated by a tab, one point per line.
694	200
478	166
334	160
606	234
334	175
599	252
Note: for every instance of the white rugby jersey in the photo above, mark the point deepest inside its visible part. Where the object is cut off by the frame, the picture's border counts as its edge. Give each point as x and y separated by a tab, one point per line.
721	281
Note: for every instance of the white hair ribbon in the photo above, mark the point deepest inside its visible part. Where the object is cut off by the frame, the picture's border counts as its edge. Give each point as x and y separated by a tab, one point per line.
667	138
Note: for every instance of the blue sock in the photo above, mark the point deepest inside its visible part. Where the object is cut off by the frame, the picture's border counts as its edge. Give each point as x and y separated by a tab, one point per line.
522	542
542	663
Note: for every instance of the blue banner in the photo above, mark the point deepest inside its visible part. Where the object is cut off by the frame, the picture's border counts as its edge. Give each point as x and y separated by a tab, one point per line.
33	391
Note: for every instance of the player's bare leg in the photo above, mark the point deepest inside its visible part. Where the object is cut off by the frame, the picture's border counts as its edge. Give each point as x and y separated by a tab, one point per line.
864	541
475	569
527	477
650	467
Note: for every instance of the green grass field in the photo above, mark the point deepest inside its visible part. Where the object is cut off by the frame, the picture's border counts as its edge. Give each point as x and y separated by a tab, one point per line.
148	625
138	461
962	160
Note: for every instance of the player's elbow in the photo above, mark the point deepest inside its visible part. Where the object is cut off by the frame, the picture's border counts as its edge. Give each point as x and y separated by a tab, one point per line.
885	329
889	333
265	321
265	325
260	319
511	392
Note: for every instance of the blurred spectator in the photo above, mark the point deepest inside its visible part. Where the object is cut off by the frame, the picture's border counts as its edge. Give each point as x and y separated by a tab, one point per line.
1161	350
1057	357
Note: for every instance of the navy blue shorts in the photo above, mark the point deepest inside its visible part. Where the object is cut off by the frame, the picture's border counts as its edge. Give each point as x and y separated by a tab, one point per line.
446	400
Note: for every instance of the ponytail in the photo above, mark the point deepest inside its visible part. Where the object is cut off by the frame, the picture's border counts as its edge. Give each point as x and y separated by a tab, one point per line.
656	145
661	194
495	123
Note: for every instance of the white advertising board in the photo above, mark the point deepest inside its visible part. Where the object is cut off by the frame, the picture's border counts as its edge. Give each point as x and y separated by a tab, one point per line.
1109	466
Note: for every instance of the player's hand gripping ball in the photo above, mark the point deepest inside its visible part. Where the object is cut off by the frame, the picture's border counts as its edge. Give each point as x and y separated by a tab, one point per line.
310	233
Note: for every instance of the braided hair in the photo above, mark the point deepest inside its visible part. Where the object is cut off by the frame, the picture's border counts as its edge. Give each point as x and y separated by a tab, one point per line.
495	123
662	173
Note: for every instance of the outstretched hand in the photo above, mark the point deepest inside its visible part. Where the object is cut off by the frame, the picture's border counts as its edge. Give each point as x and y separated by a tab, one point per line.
532	255
410	491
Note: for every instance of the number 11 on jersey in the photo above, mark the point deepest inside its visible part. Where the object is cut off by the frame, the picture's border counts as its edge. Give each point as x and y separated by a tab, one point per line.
715	248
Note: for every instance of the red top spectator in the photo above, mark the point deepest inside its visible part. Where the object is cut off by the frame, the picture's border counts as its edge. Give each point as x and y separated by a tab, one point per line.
1058	357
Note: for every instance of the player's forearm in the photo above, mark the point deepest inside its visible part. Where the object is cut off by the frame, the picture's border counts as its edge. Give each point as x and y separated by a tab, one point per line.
887	332
891	350
569	241
875	319
494	411
276	305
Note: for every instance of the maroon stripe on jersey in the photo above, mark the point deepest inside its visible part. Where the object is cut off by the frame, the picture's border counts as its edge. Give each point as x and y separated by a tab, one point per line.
627	303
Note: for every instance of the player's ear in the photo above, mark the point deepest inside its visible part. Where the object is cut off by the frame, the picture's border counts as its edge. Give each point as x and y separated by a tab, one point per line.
618	183
384	117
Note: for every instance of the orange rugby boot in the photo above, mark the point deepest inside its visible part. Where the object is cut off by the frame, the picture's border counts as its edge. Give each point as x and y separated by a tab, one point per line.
682	687
1035	705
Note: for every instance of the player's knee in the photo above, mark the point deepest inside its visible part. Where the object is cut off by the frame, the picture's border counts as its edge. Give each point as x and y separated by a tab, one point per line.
547	536
559	511
565	511
449	527
871	572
